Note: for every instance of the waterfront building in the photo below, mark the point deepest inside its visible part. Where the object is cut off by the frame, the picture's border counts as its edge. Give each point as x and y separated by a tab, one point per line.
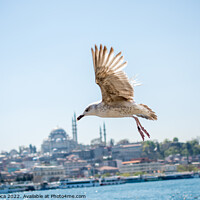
139	166
169	169
48	173
107	169
127	152
58	141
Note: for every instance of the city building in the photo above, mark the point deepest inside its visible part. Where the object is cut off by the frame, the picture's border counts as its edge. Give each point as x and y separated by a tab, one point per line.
86	154
169	168
48	173
127	152
29	162
74	164
140	166
13	166
107	169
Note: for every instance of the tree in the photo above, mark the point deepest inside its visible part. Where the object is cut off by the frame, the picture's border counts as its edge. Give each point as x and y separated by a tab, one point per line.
183	168
175	139
189	148
149	149
34	149
106	175
31	148
112	142
125	174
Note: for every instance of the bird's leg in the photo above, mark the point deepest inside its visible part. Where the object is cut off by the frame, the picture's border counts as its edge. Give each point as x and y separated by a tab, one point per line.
145	131
141	129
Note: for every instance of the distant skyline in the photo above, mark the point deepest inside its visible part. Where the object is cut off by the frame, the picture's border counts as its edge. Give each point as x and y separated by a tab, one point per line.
47	72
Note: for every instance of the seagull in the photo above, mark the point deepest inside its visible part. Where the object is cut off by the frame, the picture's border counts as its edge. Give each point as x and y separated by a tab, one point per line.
116	89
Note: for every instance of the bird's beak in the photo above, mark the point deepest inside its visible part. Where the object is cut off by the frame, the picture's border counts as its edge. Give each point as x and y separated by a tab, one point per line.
81	116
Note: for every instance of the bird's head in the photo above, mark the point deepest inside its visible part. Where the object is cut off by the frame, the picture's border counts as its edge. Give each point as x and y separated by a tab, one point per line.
90	110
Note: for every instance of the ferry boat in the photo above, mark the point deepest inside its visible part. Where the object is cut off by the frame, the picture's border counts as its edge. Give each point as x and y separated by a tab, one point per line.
78	183
111	181
48	186
4	189
151	178
183	175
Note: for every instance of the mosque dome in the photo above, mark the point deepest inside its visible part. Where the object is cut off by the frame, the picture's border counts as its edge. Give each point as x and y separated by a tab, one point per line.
58	133
58	141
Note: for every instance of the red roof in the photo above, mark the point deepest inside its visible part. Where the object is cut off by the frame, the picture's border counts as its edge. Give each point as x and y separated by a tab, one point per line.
131	162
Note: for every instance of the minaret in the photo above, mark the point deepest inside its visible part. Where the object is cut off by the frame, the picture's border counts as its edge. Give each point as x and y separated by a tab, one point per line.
100	133
104	131
74	129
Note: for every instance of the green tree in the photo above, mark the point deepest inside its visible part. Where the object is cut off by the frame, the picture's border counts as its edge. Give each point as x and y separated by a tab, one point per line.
106	175
175	139
184	168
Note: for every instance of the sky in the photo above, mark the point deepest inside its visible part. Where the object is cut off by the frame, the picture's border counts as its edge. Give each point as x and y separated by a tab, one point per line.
46	70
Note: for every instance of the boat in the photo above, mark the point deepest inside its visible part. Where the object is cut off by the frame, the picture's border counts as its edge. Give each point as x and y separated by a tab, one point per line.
111	181
133	179
67	183
150	178
48	186
196	175
4	189
183	175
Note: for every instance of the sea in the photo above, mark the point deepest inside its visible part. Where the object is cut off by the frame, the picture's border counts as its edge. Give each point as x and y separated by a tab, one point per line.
182	189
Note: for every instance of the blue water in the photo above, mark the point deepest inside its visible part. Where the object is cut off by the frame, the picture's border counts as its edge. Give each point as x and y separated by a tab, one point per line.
171	189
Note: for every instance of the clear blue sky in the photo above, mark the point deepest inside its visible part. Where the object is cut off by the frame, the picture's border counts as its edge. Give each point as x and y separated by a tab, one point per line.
46	70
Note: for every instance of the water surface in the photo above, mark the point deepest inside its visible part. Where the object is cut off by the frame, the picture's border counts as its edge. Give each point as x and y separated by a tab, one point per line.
158	190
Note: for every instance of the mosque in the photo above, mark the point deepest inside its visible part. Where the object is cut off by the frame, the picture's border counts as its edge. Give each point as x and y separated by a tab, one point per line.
59	140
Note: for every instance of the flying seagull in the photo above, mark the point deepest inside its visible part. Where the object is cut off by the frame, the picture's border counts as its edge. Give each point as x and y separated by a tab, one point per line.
116	89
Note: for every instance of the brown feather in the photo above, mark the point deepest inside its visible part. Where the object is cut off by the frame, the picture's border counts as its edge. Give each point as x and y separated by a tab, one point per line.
109	76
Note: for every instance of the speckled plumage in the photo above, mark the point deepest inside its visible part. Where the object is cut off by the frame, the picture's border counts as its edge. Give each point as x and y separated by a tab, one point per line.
117	91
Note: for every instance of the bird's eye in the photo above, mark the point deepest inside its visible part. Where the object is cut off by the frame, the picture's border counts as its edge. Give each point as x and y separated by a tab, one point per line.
87	109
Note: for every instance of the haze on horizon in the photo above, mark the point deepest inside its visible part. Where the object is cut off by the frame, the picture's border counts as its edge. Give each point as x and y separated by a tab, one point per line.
47	72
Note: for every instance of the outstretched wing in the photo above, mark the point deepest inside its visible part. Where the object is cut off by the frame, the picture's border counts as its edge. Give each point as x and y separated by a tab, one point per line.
113	82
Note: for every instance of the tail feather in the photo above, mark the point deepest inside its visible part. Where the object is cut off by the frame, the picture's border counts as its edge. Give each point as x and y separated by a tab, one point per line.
149	114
